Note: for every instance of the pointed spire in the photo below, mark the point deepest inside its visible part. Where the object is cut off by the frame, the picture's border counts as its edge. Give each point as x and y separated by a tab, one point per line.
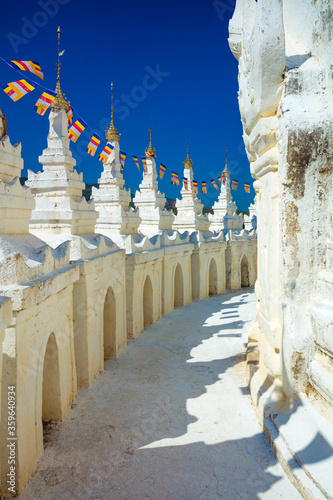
187	163
60	100
226	170
111	132
150	151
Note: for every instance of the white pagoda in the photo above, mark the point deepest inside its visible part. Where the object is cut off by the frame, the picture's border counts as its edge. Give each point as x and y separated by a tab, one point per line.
225	216
112	200
150	201
189	208
60	206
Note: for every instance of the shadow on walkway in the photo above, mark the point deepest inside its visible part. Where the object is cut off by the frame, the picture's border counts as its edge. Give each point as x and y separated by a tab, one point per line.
170	418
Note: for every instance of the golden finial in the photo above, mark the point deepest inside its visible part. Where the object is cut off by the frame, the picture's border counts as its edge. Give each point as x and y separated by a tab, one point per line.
150	151
226	170
187	163
111	133
60	100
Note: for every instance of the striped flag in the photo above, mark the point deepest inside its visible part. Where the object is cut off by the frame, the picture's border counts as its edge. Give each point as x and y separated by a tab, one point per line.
122	159
69	114
162	170
144	162
106	152
222	179
234	185
44	102
174	178
204	187
16	90
76	129
93	144
136	160
215	185
247	188
195	187
32	67
185	183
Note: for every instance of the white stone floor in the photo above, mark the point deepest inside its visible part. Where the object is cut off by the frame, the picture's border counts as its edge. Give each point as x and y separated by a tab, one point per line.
169	419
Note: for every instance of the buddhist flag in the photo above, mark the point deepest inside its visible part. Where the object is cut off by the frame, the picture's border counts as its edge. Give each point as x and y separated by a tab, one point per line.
106	152
93	144
204	187
174	179
185	183
76	130
32	67
44	102
215	185
16	90
195	187
69	114
162	170
144	162
234	185
222	179
136	160
247	188
122	159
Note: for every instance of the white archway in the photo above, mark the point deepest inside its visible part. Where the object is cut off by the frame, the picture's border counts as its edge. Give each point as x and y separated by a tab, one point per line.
51	392
212	277
148	302
109	325
178	286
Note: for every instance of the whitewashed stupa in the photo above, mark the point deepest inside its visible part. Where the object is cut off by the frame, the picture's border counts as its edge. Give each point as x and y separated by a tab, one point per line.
112	199
189	208
16	202
150	201
225	216
60	206
250	221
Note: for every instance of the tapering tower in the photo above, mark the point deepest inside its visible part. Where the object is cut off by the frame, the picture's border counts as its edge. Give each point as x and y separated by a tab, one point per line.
16	201
60	208
225	208
149	200
189	208
112	199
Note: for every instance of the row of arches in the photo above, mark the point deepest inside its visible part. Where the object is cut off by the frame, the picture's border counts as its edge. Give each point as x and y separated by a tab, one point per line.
51	390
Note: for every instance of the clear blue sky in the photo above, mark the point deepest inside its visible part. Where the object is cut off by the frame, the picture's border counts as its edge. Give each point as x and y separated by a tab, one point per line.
127	42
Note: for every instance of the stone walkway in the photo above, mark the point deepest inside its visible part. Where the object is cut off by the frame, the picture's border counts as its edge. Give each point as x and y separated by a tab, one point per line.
169	419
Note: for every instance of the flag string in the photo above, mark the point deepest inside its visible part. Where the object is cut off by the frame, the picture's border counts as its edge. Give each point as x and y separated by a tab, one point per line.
174	180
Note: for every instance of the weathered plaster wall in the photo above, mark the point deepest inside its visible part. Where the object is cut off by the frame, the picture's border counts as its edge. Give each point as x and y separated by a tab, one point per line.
139	266
239	276
285	54
174	256
201	260
97	276
40	308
